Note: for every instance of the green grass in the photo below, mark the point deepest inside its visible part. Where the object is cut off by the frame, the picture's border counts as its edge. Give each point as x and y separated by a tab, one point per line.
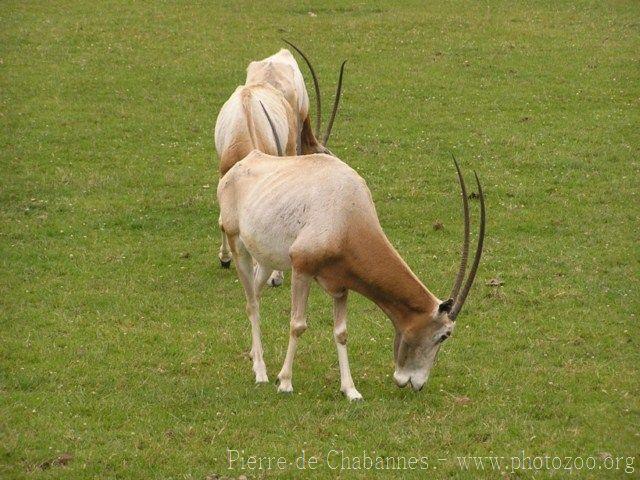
132	359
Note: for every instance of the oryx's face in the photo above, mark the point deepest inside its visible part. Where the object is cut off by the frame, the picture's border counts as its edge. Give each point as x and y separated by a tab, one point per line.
416	347
416	351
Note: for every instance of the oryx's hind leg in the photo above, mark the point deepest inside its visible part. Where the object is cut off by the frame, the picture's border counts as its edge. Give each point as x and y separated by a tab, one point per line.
244	266
300	285
224	254
299	140
276	278
340	336
261	275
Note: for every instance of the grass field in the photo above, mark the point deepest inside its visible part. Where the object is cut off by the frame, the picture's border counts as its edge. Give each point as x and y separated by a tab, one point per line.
123	345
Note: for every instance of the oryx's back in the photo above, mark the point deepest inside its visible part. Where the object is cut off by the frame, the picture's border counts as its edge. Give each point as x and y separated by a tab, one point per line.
282	72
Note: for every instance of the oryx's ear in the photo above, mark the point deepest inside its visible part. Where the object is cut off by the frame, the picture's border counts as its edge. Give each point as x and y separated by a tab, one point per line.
308	142
446	306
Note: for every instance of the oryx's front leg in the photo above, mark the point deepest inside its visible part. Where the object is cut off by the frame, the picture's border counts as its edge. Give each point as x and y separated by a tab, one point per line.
340	336
224	254
252	287
300	285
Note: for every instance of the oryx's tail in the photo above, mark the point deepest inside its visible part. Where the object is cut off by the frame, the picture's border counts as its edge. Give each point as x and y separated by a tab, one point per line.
247	96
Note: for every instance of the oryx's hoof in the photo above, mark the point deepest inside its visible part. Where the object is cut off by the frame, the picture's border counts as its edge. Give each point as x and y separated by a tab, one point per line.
225	263
286	389
276	279
352	395
284	385
261	377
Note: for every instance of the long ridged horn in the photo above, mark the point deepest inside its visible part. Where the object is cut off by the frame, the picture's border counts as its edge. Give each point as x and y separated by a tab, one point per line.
465	244
336	101
316	86
476	259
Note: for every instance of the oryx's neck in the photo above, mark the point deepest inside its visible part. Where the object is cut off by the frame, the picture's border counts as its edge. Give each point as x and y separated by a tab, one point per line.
382	275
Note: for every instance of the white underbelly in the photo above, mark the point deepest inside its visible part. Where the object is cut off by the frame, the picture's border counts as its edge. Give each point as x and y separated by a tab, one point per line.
269	250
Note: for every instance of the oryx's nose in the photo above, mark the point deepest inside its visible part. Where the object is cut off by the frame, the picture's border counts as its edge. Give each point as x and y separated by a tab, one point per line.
445	335
401	379
416	385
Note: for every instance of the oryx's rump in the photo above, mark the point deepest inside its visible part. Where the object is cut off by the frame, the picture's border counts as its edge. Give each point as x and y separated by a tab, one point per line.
262	188
242	126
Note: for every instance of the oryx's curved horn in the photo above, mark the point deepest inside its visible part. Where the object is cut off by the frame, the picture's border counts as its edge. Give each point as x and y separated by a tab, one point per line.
316	86
273	129
336	101
476	259
465	244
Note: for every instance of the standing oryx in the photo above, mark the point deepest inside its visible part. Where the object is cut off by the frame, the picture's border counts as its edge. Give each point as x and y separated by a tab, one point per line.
315	216
282	72
274	86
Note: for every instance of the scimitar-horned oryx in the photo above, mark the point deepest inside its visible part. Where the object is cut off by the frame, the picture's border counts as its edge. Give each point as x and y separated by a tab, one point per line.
315	215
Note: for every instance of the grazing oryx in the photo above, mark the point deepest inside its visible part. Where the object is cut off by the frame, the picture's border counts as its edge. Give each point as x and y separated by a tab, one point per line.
314	215
241	126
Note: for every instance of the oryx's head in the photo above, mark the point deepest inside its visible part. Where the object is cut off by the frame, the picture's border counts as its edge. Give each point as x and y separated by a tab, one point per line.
416	348
311	141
